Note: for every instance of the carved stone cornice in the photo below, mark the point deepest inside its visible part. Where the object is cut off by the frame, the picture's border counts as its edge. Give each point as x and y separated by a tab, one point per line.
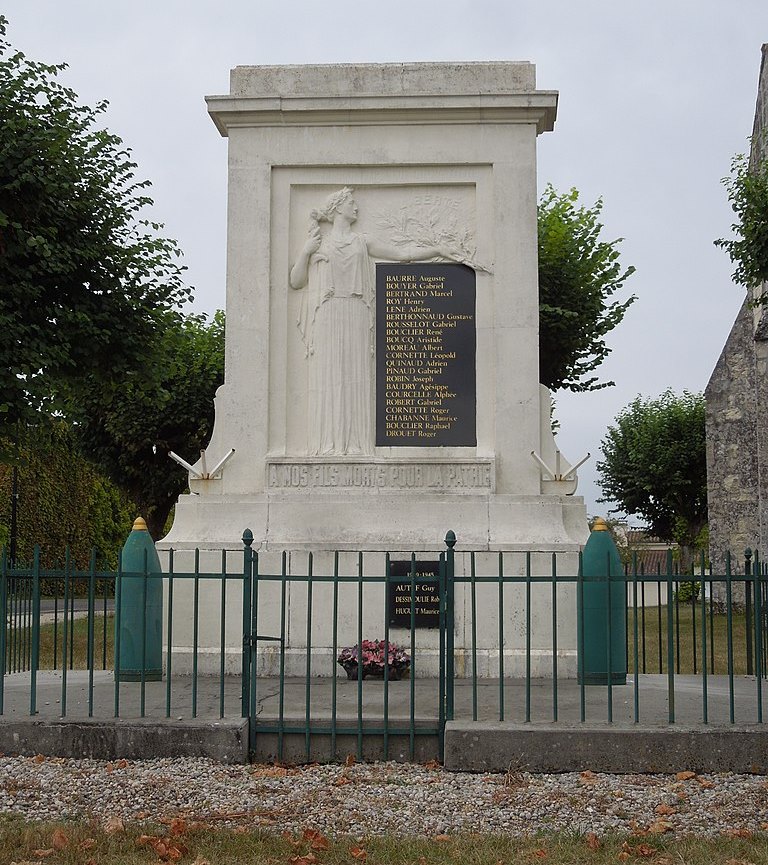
383	95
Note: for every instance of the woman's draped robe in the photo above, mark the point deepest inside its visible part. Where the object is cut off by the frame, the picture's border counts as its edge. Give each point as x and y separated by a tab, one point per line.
336	324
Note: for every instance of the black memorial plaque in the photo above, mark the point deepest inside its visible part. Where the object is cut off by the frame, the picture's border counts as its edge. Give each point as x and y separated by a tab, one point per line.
425	355
427	596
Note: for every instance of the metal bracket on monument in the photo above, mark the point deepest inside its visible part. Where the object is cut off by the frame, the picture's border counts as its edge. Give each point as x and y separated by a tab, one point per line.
557	474
204	474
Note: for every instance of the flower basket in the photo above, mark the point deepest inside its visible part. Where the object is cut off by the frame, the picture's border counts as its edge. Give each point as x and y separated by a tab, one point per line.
374	656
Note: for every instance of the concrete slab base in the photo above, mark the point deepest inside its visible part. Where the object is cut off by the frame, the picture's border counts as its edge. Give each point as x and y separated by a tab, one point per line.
321	747
498	747
225	741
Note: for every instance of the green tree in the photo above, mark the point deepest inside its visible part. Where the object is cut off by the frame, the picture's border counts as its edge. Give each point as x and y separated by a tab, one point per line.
85	277
578	275
747	188
63	500
654	466
128	435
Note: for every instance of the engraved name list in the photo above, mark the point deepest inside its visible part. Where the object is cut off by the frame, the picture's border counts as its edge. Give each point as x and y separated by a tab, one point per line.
425	355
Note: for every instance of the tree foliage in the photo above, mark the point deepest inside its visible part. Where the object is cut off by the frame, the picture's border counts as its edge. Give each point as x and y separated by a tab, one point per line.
128	436
654	465
578	276
63	500
747	188
85	279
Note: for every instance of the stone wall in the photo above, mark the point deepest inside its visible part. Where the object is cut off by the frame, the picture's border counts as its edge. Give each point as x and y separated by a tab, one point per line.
737	432
732	464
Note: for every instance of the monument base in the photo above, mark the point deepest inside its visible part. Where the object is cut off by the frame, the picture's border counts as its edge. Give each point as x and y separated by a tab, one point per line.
347	596
323	663
370	519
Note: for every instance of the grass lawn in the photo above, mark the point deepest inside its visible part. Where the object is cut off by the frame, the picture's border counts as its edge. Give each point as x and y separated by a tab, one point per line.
655	630
77	843
683	640
52	644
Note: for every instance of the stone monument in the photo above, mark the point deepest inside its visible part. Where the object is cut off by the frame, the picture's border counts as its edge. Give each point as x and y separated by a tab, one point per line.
381	378
382	314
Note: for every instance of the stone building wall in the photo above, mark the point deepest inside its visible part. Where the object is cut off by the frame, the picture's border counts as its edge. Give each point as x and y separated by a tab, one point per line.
737	424
732	452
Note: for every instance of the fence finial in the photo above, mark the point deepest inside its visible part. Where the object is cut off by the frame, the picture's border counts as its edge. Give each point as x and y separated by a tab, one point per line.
599	525
140	525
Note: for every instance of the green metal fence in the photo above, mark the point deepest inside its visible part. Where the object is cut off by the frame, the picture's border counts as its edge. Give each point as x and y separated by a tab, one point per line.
504	645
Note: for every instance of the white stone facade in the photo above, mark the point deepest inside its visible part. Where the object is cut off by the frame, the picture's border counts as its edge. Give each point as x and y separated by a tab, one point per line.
448	145
459	139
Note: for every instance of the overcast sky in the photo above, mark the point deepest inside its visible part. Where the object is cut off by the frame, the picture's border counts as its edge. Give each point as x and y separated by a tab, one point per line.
655	99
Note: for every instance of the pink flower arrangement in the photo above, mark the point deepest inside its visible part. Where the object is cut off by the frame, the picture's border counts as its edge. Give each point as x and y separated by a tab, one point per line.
374	655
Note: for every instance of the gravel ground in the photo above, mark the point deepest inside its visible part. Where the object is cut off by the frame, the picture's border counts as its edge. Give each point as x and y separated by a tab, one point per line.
381	798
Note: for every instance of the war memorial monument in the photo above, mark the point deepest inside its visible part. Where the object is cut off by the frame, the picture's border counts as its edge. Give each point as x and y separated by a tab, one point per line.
381	380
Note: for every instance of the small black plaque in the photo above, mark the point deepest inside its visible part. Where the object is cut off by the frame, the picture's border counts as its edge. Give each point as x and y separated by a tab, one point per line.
427	603
426	394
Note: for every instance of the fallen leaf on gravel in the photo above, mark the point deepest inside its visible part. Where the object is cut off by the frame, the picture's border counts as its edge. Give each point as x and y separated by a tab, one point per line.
38	758
178	826
109	768
114	824
587	777
665	809
359	853
737	833
659	827
341	781
432	764
685	776
121	764
705	783
269	772
645	850
593	842
350	760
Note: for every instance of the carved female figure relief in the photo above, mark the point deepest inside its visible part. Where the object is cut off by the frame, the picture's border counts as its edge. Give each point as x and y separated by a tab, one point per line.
335	267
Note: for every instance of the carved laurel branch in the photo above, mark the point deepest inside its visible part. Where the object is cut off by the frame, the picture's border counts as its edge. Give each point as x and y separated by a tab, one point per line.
431	226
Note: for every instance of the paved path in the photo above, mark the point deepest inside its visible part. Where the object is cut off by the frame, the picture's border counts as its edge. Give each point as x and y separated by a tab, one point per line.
652	698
